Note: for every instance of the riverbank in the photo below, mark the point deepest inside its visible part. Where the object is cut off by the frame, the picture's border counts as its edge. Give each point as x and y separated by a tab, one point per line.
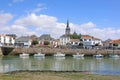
55	76
51	51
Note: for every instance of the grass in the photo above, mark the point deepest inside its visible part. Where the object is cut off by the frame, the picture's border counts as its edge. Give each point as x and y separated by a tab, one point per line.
55	76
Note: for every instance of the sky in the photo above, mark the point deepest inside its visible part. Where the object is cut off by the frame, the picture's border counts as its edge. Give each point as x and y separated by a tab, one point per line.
98	18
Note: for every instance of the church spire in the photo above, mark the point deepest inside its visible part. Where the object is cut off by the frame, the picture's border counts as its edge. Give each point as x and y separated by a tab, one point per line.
67	23
67	32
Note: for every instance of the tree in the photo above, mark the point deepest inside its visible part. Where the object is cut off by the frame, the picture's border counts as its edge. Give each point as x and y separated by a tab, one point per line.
46	42
34	42
75	36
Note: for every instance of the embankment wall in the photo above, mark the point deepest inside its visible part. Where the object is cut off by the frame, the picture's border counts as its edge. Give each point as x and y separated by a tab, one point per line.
51	51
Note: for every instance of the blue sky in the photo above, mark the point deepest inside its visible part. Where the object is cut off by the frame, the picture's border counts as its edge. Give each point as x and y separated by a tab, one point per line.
99	18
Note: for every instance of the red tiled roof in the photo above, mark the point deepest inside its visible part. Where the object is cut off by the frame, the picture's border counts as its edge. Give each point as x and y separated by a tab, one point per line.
115	41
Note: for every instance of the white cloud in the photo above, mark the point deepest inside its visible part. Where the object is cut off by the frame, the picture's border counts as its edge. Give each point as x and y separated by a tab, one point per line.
93	30
5	17
44	24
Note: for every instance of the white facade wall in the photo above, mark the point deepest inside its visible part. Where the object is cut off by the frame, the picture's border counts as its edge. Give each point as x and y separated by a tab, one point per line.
6	40
87	41
96	42
64	40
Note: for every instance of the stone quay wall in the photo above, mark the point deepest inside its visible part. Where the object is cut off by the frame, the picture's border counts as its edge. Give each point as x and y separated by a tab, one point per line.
51	51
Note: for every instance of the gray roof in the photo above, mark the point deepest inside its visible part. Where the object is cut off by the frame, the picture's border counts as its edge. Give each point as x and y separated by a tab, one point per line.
46	37
23	39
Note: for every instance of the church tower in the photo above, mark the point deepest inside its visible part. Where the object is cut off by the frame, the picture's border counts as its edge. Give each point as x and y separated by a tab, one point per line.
67	31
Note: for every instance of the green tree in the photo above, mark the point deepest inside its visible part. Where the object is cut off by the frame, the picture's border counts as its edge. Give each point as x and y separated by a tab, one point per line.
34	42
46	42
75	36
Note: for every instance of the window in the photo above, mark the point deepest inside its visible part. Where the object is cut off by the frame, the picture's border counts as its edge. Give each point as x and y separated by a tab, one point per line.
76	43
85	39
89	39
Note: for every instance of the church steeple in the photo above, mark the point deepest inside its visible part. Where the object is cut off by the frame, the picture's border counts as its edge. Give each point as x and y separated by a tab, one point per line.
67	32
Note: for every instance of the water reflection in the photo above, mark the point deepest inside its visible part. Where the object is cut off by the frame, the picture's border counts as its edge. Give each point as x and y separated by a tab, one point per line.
90	64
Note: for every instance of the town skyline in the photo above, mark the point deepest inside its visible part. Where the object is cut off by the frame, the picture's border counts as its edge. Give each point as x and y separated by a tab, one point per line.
32	17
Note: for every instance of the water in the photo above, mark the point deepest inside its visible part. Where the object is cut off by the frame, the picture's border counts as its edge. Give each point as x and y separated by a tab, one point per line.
109	66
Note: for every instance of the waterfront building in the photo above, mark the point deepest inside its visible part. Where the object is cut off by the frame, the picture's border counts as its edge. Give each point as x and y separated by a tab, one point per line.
23	42
6	40
115	43
90	41
48	38
64	40
106	43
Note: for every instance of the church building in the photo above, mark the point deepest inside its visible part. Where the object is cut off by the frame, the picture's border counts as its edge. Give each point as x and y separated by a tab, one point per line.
64	39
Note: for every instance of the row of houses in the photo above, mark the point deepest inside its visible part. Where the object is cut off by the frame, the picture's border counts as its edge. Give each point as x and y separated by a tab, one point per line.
87	41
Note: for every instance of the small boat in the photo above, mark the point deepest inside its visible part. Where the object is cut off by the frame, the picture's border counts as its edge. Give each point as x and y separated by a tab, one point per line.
39	55
59	54
24	55
98	56
114	56
77	55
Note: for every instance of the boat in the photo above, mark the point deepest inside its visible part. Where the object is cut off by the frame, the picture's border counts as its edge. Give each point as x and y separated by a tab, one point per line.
24	55
59	54
114	56
77	55
98	56
39	55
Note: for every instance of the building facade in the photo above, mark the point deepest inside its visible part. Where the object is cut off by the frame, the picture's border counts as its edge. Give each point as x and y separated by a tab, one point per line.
115	43
6	40
90	41
64	40
23	42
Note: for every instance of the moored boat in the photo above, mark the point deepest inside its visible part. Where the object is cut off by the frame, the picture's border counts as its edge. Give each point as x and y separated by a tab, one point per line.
24	55
59	54
77	55
39	55
98	56
114	56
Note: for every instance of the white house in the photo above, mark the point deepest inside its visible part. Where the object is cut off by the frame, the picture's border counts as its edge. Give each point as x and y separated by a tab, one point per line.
24	42
6	40
64	39
90	41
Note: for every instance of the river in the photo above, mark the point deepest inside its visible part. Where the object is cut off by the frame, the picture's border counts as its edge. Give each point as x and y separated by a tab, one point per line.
110	66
